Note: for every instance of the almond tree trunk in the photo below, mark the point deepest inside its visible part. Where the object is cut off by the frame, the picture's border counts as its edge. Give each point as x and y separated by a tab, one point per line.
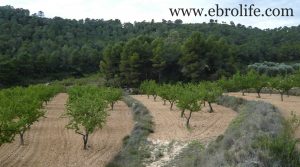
210	108
85	140
258	93
112	105
21	133
171	107
154	97
281	95
182	112
188	120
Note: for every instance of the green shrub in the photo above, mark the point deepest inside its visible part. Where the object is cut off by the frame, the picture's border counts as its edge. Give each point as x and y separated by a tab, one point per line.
283	147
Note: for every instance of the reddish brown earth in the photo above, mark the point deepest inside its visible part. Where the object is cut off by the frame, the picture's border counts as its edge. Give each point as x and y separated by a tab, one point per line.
289	104
169	125
49	143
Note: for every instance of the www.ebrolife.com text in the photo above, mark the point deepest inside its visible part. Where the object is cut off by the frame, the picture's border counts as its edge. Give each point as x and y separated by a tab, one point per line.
242	10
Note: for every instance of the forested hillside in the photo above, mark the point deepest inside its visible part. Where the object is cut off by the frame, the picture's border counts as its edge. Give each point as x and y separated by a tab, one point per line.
35	47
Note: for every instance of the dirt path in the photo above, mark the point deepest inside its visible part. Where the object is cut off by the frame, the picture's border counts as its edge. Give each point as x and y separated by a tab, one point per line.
170	126
49	143
291	103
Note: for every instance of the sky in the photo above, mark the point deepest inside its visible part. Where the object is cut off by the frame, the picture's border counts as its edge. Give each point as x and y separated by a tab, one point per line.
140	10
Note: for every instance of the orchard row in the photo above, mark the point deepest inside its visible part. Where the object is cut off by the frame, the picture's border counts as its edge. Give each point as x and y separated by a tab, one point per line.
253	80
187	97
192	97
21	107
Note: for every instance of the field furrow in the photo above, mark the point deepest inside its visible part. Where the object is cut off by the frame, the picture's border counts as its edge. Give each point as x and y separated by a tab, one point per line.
50	143
169	125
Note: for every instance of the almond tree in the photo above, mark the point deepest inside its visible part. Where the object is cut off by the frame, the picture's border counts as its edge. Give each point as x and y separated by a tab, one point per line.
26	114
272	84
210	91
27	106
153	89
163	91
241	82
112	95
226	84
283	85
172	93
256	81
87	111
144	88
24	107
150	88
189	99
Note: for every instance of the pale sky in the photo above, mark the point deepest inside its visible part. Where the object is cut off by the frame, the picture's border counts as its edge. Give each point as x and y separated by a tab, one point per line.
139	10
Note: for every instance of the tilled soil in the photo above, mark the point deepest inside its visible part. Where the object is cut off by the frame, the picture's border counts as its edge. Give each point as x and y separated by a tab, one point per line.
170	126
50	144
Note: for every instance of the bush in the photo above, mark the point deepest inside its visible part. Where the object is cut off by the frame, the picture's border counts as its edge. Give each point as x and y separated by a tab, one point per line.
231	102
282	149
134	149
235	147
